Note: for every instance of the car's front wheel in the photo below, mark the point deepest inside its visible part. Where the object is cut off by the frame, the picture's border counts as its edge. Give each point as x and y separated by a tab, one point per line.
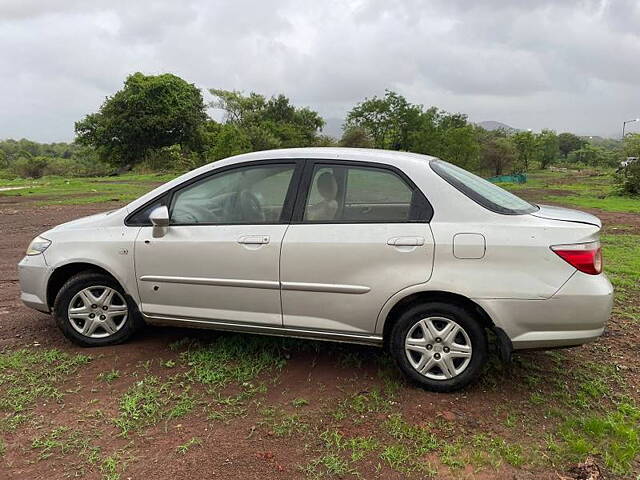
439	345
92	309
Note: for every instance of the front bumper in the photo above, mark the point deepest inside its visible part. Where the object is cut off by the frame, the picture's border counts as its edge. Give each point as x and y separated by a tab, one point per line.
576	314
33	273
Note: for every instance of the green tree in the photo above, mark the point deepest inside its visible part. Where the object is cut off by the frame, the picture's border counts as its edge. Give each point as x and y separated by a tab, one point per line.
527	147
594	156
390	121
356	137
498	153
268	123
568	142
149	113
549	147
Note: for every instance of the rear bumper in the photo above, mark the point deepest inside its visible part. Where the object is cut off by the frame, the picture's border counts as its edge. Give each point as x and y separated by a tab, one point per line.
33	273
576	314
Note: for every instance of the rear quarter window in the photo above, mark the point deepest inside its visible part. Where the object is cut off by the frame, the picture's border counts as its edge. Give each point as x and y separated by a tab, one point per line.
481	191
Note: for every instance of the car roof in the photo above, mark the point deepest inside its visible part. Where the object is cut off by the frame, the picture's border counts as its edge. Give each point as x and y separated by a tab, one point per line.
337	153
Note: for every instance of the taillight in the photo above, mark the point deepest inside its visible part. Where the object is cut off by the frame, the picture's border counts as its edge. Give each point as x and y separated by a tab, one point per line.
586	257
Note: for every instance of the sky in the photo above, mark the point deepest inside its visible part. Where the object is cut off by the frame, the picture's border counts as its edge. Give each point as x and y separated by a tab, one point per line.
560	64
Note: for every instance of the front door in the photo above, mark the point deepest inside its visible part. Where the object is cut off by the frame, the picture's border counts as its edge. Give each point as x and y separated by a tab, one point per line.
359	236
219	258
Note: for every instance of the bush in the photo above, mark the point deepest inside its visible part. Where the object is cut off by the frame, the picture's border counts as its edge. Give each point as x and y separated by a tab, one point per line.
170	159
30	167
629	179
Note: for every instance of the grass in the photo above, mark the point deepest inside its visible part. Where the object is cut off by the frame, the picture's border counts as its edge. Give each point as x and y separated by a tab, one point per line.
610	203
622	261
614	436
185	447
28	375
151	400
594	189
77	191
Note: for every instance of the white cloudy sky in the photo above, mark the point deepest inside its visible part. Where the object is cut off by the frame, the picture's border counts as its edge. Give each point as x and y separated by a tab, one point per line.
561	64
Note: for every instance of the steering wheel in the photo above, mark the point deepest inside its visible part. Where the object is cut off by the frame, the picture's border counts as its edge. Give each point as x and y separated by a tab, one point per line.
250	207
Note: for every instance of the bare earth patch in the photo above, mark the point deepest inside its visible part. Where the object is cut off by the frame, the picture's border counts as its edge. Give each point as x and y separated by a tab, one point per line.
315	410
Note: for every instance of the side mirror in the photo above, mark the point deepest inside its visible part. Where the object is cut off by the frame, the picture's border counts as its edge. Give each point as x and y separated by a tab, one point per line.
160	216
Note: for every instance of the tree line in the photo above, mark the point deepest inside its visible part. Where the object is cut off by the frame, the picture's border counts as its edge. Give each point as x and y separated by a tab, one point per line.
160	122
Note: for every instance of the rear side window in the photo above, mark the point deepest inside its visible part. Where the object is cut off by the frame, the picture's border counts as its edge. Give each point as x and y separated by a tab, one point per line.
346	194
481	191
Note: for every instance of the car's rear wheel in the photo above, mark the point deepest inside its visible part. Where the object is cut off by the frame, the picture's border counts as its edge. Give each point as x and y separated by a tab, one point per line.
439	345
92	310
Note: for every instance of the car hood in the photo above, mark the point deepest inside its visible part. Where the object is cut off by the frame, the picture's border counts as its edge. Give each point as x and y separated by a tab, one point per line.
567	215
97	220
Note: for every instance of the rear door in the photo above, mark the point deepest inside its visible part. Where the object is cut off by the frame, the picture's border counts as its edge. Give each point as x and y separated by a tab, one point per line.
360	234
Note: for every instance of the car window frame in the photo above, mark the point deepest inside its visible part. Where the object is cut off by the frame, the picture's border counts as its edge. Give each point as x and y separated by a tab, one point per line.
287	208
420	205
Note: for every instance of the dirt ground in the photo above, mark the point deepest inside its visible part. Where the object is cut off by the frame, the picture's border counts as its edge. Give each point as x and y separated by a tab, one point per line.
243	447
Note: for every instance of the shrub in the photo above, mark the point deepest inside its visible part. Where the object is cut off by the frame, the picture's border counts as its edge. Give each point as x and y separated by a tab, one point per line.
30	167
629	179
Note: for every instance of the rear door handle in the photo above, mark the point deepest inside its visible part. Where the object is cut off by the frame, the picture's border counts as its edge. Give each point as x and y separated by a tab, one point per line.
406	241
254	239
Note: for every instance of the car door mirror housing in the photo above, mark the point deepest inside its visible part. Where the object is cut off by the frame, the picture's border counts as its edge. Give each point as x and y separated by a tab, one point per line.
160	216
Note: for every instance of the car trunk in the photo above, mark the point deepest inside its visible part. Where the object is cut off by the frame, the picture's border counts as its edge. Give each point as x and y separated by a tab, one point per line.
566	214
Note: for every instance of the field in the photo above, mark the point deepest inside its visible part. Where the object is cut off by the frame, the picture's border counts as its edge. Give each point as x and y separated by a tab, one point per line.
178	403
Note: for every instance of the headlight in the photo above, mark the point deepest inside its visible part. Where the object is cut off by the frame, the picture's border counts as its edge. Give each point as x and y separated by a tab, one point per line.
38	245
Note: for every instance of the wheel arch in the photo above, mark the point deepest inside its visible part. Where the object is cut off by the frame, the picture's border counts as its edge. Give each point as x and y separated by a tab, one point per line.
62	273
428	296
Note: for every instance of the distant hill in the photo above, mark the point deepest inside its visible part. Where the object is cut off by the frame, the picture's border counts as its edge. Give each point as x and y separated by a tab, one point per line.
493	125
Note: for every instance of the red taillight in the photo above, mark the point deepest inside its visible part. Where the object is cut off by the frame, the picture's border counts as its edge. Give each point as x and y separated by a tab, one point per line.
586	257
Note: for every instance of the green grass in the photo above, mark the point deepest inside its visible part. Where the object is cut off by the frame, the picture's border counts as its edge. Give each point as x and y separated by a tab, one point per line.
622	260
580	190
608	204
28	375
109	376
185	447
615	436
233	358
151	400
76	191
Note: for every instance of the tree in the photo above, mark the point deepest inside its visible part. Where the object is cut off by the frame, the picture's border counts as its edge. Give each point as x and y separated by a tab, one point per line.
549	147
594	156
527	147
568	142
268	123
149	113
498	153
356	137
390	121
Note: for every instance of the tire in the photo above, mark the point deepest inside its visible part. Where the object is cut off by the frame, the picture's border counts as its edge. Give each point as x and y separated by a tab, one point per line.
444	341
85	290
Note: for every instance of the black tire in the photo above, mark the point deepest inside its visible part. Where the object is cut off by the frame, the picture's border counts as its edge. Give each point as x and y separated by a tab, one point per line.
475	334
76	284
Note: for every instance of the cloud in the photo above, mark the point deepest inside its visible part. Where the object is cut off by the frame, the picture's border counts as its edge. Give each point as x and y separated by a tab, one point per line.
567	65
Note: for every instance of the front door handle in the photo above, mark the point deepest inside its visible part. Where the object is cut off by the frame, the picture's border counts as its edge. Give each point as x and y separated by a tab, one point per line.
254	239
406	241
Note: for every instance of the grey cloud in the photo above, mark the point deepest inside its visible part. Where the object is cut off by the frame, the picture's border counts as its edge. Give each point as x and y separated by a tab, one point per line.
568	65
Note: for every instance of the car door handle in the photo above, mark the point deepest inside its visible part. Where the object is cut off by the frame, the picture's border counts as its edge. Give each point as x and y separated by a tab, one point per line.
254	239
406	241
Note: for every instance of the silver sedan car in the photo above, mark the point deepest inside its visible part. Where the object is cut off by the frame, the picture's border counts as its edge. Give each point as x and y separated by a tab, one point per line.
383	248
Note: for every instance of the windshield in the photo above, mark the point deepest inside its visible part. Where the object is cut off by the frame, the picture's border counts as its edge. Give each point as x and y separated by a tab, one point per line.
481	191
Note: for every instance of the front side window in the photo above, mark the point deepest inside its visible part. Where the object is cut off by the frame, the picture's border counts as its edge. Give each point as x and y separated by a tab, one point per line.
346	194
482	191
245	195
